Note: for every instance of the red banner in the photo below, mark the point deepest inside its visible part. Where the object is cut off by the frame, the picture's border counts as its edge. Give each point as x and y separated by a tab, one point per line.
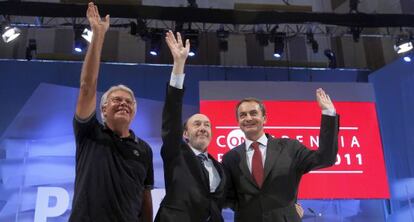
359	171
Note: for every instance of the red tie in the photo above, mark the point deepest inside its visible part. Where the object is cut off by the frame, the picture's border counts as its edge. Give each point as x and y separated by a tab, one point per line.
257	164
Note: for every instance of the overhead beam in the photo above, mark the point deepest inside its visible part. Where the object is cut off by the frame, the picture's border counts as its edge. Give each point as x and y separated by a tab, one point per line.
203	15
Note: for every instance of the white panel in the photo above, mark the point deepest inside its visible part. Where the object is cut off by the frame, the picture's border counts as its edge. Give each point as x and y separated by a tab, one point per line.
236	55
130	48
353	53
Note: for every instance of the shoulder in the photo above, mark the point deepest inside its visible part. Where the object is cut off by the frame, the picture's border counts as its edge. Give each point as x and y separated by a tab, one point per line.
234	153
143	144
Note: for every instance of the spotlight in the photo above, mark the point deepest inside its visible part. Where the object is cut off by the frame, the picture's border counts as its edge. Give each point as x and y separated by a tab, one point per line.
155	44
31	49
408	57
332	58
79	42
403	44
178	26
353	6
192	4
279	41
87	35
311	40
262	38
222	36
9	33
140	28
192	35
356	33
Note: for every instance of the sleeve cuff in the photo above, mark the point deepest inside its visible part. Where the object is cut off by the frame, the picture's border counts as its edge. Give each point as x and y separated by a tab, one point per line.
329	112
177	80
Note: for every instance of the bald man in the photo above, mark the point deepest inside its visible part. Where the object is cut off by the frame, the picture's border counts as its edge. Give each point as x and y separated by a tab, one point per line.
194	180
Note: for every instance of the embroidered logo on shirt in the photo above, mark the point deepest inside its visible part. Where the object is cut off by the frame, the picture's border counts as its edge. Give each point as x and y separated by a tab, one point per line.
136	153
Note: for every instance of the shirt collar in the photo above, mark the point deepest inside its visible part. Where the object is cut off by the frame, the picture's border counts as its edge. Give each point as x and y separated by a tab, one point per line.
262	141
197	152
131	136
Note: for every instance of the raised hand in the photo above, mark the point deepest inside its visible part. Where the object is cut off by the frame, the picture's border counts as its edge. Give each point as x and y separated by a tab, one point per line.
98	25
323	100
177	48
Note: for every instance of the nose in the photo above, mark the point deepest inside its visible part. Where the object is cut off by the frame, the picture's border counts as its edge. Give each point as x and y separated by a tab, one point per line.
248	117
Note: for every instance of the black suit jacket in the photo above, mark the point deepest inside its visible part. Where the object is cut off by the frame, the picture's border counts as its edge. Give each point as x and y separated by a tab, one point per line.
188	197
286	161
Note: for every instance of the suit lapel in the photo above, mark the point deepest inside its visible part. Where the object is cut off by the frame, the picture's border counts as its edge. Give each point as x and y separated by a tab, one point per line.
243	164
195	166
272	154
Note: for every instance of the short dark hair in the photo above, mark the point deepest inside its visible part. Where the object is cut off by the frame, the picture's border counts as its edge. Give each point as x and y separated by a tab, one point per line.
251	99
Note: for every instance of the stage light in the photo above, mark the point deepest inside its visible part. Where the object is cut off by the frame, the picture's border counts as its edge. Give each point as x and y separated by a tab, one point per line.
79	43
192	4
311	40
192	35
408	57
262	38
155	44
356	33
353	6
140	28
9	33
31	49
332	58
87	35
279	42
403	44
222	36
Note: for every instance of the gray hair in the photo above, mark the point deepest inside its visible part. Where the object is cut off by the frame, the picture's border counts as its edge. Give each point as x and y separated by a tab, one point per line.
104	98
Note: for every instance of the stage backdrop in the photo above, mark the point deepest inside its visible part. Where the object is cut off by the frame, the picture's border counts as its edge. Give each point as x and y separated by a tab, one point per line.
36	136
292	112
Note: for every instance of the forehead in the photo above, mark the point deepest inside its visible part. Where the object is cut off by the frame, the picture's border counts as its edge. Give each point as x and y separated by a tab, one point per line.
248	106
120	93
198	117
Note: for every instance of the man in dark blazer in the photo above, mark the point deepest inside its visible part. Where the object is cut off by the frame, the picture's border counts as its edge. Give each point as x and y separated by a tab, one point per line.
194	180
263	173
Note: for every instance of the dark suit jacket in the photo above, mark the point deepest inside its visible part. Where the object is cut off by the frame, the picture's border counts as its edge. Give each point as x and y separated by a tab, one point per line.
188	197
286	161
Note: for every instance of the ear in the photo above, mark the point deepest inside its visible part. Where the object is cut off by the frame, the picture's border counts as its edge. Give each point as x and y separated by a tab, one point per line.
185	135
264	119
103	110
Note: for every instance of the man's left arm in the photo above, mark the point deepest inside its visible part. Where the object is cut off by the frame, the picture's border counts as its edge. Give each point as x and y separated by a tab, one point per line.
147	206
325	156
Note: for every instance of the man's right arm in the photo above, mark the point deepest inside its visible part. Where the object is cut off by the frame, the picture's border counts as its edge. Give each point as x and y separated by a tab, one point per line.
171	117
86	103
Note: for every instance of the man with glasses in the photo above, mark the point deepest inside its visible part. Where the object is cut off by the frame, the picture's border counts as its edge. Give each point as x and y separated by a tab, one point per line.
114	171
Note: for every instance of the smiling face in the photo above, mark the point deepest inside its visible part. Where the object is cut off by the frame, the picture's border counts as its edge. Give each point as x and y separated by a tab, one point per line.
251	119
119	108
198	132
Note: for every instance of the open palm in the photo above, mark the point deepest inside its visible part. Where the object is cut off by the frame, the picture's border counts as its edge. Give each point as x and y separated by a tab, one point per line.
324	100
97	24
177	48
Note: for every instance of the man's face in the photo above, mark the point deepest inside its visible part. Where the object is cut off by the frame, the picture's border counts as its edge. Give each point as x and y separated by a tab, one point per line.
251	120
198	133
119	108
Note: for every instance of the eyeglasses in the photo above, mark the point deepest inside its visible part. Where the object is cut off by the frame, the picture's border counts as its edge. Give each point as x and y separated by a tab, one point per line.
118	100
